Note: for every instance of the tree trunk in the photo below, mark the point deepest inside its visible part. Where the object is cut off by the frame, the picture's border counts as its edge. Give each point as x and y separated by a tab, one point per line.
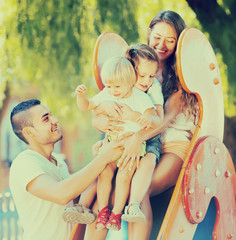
2	113
229	137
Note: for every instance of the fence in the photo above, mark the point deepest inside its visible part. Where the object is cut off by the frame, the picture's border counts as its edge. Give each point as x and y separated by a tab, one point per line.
10	228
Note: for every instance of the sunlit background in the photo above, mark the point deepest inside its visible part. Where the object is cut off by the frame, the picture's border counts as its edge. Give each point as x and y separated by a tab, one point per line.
46	50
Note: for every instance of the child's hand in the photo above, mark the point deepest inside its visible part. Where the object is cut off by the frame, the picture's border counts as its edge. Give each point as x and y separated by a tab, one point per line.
81	89
145	121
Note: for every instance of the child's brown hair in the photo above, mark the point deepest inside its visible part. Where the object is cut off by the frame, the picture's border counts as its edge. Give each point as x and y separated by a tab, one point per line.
137	51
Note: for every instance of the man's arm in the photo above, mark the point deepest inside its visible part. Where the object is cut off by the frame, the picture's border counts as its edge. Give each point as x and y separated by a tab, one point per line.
48	188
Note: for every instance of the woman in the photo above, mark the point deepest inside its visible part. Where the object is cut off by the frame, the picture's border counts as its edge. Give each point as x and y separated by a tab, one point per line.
178	125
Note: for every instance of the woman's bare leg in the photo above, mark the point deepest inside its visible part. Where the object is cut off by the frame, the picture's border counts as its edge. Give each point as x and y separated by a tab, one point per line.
165	174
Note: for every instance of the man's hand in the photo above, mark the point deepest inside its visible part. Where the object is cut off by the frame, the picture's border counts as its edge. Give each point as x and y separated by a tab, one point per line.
131	154
114	149
96	146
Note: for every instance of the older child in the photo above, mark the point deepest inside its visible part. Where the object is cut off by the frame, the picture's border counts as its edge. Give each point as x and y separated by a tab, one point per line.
145	61
120	98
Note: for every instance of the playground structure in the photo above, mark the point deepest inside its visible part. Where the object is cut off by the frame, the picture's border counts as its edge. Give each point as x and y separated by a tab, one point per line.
208	173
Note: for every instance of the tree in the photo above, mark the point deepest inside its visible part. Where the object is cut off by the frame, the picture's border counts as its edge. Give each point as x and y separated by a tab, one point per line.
50	44
219	20
47	50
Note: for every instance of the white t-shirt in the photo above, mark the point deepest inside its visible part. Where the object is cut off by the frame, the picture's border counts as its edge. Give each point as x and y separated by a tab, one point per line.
155	93
41	219
138	101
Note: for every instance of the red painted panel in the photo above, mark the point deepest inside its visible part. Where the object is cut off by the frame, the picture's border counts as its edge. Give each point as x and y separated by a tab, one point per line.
210	174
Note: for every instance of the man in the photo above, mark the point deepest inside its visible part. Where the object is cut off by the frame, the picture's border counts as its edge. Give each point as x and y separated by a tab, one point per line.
39	180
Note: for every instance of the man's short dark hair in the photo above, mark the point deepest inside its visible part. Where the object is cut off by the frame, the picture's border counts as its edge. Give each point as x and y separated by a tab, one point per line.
19	123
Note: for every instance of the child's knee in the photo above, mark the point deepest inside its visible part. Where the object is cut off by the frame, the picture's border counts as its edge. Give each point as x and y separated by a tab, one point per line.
107	174
124	176
149	160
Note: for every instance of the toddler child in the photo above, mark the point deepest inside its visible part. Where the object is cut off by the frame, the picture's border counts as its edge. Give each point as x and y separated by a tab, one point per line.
145	61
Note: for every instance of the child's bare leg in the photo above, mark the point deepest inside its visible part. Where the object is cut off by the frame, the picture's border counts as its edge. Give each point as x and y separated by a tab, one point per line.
142	178
142	230
103	194
87	197
139	187
104	185
165	176
122	188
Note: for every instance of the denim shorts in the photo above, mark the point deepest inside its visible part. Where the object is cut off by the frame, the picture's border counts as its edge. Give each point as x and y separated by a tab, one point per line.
153	145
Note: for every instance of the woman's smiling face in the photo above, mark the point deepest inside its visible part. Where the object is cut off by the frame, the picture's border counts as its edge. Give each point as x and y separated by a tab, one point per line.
163	40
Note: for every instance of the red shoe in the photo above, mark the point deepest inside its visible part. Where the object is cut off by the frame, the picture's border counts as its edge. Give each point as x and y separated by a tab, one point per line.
114	222
103	218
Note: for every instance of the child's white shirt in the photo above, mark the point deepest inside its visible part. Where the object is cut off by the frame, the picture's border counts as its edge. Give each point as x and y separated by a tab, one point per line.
138	101
155	93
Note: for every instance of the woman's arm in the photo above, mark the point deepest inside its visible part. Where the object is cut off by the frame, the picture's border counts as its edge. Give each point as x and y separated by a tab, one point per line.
133	143
106	124
149	119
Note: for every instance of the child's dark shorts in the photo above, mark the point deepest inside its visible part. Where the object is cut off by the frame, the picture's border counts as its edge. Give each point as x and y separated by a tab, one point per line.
153	145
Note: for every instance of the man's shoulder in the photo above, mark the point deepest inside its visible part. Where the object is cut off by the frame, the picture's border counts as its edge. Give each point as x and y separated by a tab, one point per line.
26	153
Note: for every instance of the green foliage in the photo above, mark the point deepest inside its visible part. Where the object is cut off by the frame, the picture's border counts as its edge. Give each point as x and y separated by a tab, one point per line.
47	46
121	15
218	18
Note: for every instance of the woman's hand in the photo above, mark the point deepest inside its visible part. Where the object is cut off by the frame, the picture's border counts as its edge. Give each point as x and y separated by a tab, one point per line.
107	124
111	109
131	154
145	121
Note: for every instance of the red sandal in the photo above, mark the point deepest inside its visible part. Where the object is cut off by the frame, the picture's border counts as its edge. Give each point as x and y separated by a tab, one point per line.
114	222
103	218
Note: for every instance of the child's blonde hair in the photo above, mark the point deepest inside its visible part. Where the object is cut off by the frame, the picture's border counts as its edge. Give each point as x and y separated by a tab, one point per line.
118	70
135	52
